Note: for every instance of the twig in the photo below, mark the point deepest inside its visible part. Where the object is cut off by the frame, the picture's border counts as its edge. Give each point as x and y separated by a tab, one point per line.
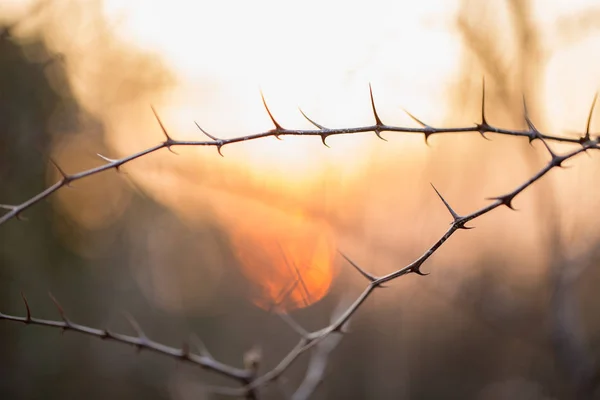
483	127
459	222
140	341
310	340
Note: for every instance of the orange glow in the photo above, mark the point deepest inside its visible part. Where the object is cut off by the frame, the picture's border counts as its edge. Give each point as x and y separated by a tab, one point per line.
286	205
289	261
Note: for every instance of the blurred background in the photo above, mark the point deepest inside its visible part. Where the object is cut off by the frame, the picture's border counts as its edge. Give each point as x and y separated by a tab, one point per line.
195	243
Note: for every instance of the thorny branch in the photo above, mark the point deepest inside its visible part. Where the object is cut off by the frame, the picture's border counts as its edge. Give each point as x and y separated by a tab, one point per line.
140	341
309	340
16	210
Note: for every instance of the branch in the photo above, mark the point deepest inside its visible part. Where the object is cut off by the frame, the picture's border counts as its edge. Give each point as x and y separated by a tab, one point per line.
322	132
140	341
309	340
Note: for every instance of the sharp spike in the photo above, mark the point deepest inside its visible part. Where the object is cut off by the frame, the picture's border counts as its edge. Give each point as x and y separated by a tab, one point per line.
535	133
292	324
185	350
452	212
61	311
64	175
378	133
505	200
428	131
417	120
311	121
138	330
162	127
483	126
12	208
108	160
136	327
218	142
216	139
530	124
426	138
378	122
169	141
277	126
483	119
364	273
201	346
377	119
589	120
419	272
547	146
28	317
323	138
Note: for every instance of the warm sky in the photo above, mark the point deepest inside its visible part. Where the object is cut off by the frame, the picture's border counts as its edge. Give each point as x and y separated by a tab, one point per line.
319	55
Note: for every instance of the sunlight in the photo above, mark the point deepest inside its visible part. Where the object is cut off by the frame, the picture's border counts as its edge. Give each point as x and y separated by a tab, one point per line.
208	62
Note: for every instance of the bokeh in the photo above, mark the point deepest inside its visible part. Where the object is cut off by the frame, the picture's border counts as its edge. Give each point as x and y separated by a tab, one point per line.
195	244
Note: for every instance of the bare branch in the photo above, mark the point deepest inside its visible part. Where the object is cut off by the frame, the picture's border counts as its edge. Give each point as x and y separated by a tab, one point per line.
140	342
320	339
322	132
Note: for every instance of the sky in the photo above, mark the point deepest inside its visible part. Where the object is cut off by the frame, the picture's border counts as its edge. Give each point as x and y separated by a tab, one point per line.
208	62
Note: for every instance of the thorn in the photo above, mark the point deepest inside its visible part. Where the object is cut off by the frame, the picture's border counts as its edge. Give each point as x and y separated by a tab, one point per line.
586	138
417	120
185	351
218	142
216	139
321	127
169	142
378	122
452	212
311	121
278	128
61	311
138	330
28	318
65	177
483	126
419	272
201	346
467	227
111	161
136	327
108	160
364	273
535	132
292	324
552	155
505	200
428	131
13	208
